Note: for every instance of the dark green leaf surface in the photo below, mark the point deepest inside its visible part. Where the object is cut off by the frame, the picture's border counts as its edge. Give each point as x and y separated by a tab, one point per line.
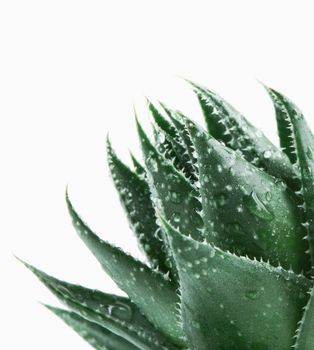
168	142
177	119
231	302
301	150
164	134
98	337
154	295
284	129
161	121
172	194
305	333
226	124
135	197
118	314
166	146
246	210
138	167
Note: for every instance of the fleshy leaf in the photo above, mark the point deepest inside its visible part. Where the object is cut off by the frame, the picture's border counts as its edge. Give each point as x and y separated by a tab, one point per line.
98	337
301	151
117	314
161	121
172	194
246	210
305	332
164	133
231	302
169	143
226	124
166	146
177	119
138	167
284	129
154	295
135	197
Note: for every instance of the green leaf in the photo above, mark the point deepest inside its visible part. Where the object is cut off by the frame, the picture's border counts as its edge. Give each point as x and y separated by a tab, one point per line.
135	197
98	337
305	332
164	133
246	210
138	167
284	129
118	314
177	119
301	151
161	121
154	295
166	146
171	192
169	143
226	124
230	302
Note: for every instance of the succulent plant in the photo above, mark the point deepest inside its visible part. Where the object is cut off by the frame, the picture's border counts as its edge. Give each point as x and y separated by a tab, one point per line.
225	220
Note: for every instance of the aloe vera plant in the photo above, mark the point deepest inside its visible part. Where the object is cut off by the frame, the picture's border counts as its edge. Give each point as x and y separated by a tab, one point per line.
225	220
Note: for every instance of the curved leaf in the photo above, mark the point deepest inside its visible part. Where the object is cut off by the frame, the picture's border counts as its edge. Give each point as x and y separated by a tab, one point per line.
228	125
301	150
172	194
161	121
154	295
231	302
284	128
168	142
305	332
177	119
138	167
246	210
117	314
135	197
98	337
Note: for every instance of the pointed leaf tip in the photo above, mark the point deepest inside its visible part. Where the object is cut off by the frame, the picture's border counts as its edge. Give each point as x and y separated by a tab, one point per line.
115	313
245	210
162	122
135	198
98	337
128	273
138	167
227	124
298	142
141	133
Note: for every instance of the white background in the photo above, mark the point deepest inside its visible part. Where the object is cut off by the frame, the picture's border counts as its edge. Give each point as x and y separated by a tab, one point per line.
70	72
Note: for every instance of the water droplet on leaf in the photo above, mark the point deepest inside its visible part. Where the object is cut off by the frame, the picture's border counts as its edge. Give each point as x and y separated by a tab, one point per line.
152	163
252	294
267	154
175	217
268	196
159	234
175	197
220	199
121	311
309	153
161	137
257	207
